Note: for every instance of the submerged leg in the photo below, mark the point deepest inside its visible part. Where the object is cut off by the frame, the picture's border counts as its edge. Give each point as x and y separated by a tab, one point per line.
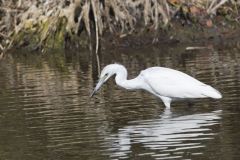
167	113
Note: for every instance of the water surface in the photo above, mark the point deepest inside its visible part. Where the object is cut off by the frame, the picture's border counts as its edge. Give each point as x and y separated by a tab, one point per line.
46	112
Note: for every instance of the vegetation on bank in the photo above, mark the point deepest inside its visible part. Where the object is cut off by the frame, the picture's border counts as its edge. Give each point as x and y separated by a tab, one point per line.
42	24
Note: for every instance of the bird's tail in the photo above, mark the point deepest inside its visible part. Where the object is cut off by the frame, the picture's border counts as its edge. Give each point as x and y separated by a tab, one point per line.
211	92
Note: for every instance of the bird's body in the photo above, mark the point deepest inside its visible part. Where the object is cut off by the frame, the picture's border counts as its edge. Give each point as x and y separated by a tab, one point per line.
165	83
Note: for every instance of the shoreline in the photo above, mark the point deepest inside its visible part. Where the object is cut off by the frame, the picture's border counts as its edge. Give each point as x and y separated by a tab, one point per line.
102	24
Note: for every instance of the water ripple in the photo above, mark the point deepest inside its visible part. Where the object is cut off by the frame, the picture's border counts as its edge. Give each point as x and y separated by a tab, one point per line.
46	112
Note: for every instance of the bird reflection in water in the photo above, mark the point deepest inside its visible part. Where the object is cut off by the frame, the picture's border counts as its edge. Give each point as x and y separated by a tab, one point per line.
165	136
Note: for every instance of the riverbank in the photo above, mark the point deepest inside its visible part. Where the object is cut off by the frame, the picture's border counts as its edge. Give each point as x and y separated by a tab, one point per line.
180	34
68	24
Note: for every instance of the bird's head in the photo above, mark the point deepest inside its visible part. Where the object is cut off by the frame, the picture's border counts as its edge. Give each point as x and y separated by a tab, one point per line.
107	72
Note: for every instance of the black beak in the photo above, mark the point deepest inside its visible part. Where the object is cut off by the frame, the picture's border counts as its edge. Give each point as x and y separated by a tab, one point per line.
99	84
93	93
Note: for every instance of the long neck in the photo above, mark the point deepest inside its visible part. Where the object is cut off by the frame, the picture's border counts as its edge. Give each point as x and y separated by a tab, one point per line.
121	80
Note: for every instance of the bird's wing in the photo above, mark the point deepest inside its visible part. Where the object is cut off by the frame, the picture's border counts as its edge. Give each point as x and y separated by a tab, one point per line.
172	83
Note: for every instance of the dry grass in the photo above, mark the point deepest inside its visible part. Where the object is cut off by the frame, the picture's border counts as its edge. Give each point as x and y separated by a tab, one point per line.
42	21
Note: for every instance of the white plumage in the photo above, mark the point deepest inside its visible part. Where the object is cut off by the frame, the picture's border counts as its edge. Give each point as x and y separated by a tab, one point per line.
165	83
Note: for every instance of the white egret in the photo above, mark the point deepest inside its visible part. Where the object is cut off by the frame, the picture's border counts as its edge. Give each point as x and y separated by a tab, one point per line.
165	83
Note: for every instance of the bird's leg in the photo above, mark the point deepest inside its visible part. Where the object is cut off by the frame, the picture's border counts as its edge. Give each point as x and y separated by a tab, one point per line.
167	101
167	104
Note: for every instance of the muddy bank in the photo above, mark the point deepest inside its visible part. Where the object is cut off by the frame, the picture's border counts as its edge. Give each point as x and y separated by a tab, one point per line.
48	24
188	34
185	36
